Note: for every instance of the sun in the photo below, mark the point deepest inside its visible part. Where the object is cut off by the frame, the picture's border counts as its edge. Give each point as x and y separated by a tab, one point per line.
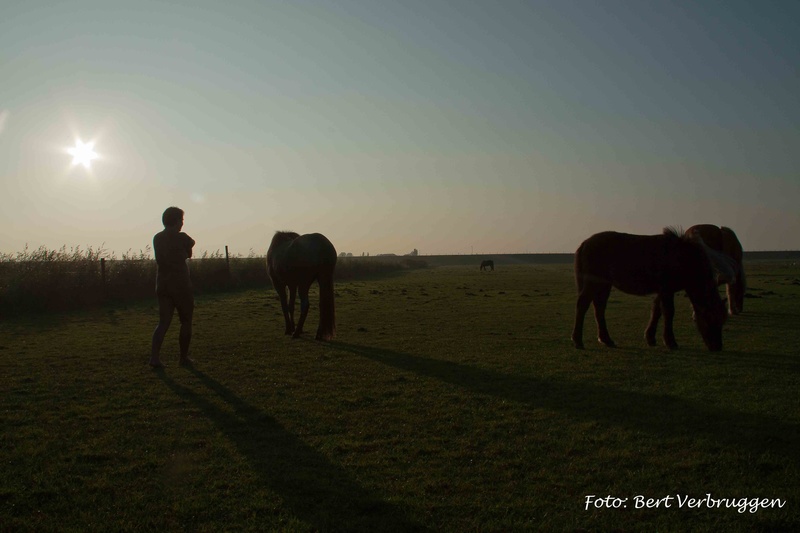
83	154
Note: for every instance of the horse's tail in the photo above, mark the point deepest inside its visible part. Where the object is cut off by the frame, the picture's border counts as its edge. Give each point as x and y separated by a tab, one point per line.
737	292
327	314
732	247
579	267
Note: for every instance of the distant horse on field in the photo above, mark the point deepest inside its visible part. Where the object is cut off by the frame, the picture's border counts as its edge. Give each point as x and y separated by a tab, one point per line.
488	264
296	261
646	264
724	240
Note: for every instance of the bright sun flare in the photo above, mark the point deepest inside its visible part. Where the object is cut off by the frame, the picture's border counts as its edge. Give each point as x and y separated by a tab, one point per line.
83	154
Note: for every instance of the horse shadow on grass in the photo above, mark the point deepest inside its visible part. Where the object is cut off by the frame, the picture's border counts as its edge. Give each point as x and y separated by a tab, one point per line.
313	489
659	415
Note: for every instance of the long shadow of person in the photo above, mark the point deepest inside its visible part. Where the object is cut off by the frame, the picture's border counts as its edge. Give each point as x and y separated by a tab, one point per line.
315	490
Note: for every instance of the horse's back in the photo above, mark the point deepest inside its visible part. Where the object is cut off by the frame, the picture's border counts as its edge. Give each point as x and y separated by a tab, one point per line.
293	258
632	263
313	248
730	244
711	235
597	256
609	249
719	238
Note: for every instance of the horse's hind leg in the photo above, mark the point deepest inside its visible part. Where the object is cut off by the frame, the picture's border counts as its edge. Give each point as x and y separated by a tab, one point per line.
327	313
290	327
600	301
668	308
655	316
581	307
304	305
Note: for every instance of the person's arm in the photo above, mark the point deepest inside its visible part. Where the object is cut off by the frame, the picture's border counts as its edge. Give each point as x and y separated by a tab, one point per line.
189	245
157	249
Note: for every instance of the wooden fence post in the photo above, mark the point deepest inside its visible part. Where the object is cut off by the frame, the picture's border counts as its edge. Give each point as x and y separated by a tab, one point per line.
228	262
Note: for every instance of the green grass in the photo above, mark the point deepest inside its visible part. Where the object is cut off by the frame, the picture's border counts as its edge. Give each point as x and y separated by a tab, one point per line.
452	400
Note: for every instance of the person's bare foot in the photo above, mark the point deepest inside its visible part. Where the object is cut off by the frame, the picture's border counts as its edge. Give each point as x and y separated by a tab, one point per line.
186	361
156	363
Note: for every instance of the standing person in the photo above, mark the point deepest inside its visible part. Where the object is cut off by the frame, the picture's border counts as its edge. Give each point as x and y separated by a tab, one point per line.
172	248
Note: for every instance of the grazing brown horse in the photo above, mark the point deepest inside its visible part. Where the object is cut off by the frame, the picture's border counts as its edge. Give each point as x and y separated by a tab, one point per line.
485	265
724	240
296	261
647	264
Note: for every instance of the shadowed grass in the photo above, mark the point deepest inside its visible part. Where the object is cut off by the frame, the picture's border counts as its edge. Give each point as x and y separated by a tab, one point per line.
450	400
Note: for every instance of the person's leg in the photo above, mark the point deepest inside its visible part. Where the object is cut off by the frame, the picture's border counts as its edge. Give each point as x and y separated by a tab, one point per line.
185	313
166	307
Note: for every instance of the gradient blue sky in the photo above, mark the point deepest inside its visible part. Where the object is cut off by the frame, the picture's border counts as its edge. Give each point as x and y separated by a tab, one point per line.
450	127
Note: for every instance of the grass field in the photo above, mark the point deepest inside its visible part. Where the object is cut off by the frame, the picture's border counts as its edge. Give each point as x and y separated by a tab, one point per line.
452	400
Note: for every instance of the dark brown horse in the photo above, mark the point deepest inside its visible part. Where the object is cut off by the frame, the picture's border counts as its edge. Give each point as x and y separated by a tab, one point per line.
487	264
296	261
648	264
724	240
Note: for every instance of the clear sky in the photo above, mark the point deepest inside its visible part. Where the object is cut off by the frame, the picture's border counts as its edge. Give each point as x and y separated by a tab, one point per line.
450	127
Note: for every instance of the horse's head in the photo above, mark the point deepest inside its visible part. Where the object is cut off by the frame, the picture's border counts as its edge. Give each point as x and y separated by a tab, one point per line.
279	240
708	269
710	315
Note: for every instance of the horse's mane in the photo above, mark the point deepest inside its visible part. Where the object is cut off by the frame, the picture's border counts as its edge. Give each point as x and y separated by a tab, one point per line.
283	236
721	264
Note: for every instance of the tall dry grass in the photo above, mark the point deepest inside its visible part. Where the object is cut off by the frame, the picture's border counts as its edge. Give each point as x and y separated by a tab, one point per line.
49	280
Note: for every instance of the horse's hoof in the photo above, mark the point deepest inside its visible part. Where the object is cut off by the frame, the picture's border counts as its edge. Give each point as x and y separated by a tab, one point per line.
651	341
673	346
607	342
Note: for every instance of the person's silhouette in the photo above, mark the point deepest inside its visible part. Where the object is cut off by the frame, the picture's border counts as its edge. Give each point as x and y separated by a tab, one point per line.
173	285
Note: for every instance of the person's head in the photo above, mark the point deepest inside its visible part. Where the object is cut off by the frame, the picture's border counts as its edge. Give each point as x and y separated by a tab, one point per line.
173	216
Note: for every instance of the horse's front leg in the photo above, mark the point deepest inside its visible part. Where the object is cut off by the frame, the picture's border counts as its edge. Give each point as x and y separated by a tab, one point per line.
304	305
290	327
668	308
285	308
655	315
